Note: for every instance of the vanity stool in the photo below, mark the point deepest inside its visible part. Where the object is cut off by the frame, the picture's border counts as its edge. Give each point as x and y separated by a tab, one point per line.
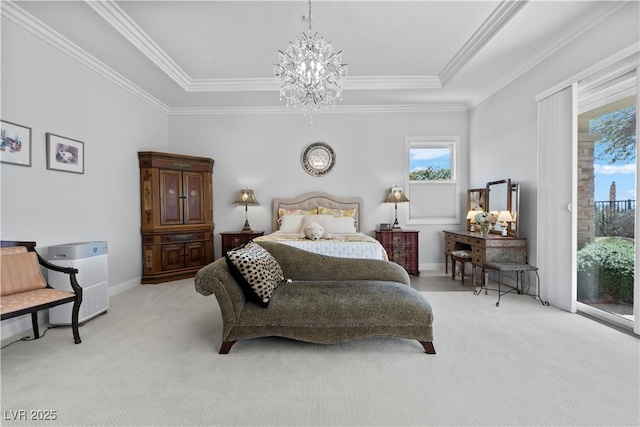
517	267
462	256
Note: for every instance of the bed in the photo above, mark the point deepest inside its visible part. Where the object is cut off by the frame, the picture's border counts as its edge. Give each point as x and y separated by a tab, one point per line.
340	216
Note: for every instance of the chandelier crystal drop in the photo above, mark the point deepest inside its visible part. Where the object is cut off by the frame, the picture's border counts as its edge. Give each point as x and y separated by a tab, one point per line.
310	73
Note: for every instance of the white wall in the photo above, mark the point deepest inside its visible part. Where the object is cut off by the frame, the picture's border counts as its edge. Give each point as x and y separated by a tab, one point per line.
263	152
46	90
507	122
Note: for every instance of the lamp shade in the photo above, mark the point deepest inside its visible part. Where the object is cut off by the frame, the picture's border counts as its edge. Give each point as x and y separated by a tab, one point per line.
246	197
472	215
396	195
505	216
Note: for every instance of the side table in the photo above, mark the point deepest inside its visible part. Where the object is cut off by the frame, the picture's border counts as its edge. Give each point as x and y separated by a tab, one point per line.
233	239
401	247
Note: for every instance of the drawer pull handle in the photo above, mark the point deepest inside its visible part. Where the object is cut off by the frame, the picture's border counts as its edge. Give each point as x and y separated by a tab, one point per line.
183	236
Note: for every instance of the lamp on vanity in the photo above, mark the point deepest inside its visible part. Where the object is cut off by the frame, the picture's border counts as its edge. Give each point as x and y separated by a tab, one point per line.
396	195
495	224
471	216
246	197
504	217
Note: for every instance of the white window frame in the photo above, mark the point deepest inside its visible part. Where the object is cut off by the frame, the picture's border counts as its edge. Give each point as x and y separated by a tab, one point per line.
451	142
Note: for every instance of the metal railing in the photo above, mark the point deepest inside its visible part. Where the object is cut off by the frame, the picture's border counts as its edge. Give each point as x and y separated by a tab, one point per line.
615	205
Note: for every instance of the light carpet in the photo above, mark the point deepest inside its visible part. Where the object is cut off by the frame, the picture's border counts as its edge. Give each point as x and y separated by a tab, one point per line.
153	361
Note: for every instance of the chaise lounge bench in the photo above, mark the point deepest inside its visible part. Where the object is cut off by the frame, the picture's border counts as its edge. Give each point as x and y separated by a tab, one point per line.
24	290
328	300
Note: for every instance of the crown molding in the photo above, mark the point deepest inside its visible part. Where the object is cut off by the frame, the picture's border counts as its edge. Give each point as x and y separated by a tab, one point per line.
489	28
121	22
558	43
28	22
338	109
352	83
393	82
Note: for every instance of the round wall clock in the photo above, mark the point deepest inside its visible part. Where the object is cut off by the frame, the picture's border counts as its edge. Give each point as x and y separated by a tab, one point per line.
318	158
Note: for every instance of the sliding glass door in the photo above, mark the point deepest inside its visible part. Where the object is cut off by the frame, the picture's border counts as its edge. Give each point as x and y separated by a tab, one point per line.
607	193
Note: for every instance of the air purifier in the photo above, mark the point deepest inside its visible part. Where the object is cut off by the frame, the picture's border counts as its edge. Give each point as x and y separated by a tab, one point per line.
90	259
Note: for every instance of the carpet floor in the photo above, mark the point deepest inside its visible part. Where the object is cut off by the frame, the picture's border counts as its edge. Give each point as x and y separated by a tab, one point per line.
153	360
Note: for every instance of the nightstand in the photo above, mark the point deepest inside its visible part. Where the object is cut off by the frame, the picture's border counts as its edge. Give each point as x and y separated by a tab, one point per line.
401	247
233	239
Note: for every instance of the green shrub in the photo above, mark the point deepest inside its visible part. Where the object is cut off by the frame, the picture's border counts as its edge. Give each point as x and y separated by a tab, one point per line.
605	270
620	224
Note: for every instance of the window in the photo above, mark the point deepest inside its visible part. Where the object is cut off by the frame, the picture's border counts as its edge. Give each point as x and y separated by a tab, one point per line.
428	163
431	180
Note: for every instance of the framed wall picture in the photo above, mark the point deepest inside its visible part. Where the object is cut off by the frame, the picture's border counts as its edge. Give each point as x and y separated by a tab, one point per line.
15	144
64	154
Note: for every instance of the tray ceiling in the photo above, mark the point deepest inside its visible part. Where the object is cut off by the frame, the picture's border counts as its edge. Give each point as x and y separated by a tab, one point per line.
215	56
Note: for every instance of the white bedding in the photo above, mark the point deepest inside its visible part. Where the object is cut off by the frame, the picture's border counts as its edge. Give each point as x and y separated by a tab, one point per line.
348	245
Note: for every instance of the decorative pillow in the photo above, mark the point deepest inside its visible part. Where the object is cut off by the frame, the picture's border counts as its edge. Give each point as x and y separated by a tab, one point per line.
342	225
314	231
291	223
337	212
256	270
282	212
20	272
324	221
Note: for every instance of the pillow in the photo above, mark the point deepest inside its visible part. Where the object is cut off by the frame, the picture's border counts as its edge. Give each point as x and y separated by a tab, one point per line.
325	222
337	212
282	212
343	224
314	231
291	223
20	272
256	270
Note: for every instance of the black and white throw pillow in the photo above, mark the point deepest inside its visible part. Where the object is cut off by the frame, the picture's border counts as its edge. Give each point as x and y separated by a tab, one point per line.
256	270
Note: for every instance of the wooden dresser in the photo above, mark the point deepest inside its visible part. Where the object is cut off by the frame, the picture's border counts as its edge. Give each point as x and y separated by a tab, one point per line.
402	248
492	247
177	215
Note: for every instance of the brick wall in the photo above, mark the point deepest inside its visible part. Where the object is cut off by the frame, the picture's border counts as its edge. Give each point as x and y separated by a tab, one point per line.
586	191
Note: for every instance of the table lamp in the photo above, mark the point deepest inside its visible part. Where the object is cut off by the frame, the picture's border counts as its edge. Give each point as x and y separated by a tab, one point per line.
471	216
503	218
246	197
396	195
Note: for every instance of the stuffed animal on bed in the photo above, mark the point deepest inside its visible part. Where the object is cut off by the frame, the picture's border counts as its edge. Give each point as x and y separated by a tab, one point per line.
314	231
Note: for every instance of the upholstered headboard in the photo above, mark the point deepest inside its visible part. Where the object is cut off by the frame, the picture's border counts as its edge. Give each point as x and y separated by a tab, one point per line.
317	198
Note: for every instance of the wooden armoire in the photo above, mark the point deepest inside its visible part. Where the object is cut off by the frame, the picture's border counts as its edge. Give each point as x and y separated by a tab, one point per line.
176	204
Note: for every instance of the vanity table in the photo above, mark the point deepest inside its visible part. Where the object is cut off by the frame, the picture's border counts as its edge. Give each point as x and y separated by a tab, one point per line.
492	247
498	196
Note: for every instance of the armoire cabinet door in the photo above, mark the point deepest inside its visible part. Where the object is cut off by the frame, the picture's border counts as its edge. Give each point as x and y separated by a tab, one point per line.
195	254
172	256
193	202
170	197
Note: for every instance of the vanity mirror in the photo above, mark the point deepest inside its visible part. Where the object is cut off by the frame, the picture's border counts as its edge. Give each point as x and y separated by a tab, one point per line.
498	196
498	200
515	210
476	201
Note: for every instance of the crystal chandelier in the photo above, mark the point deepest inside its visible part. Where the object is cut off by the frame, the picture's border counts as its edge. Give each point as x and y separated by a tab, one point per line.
310	74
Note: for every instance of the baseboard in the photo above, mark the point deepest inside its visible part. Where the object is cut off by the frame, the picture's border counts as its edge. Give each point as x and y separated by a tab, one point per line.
22	324
124	286
432	266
